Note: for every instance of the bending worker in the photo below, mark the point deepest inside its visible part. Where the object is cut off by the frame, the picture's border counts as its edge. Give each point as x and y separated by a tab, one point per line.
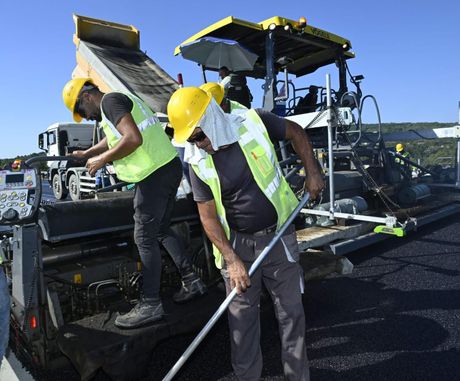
242	199
142	154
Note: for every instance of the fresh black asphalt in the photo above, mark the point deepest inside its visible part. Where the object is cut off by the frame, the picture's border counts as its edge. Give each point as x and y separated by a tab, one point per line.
396	317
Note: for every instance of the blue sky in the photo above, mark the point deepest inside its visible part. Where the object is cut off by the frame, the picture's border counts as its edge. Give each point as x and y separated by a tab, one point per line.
408	51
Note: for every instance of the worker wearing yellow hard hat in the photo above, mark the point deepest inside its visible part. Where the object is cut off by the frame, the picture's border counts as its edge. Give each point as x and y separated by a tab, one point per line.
185	109
242	199
401	150
216	90
218	93
408	170
141	153
70	94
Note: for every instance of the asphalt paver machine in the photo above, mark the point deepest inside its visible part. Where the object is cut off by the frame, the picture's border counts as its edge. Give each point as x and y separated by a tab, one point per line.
74	265
365	182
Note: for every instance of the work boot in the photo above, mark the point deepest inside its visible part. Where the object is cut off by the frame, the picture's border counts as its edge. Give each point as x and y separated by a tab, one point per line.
144	312
192	286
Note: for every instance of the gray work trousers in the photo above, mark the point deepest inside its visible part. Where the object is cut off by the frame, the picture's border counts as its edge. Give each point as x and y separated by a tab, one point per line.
282	276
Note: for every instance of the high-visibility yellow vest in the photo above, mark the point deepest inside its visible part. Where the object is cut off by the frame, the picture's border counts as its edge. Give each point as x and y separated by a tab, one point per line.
404	154
236	107
156	149
261	158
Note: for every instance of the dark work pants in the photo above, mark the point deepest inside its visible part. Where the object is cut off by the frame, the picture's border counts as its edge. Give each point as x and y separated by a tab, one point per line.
282	276
185	166
154	200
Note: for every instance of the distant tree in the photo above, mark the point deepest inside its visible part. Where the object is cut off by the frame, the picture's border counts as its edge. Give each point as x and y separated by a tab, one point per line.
41	166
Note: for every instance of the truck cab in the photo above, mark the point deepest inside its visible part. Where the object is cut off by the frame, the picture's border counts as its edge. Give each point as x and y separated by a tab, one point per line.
60	139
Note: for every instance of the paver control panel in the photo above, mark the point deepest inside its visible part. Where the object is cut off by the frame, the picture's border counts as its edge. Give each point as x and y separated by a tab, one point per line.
18	195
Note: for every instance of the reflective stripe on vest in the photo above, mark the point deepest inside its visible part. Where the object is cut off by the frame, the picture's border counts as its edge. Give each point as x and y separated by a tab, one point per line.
261	158
156	149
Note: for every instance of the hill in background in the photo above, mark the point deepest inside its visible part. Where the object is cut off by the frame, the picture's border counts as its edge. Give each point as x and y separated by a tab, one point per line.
428	151
395	127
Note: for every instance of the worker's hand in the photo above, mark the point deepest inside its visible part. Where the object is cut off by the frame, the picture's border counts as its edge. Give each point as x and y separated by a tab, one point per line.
94	164
239	277
314	184
79	154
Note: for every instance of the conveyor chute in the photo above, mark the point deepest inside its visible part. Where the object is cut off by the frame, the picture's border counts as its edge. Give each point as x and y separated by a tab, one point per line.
110	54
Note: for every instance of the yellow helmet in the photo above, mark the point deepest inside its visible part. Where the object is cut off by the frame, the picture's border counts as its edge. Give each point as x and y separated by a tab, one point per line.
185	109
70	94
399	147
216	89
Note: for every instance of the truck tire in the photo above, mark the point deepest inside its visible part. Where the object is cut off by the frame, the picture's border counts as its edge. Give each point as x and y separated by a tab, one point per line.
74	187
59	189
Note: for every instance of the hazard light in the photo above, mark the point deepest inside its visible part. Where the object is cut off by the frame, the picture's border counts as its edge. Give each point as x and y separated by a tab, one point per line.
33	322
302	22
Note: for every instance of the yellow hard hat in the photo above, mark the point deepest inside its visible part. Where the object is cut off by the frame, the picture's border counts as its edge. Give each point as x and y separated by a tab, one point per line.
216	89
185	109
70	94
399	147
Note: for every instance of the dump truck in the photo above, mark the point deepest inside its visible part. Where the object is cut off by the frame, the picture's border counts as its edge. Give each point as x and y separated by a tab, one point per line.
109	53
74	264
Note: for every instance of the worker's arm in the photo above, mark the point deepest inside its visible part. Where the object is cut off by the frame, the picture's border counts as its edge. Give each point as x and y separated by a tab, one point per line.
92	151
314	182
237	272
130	140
